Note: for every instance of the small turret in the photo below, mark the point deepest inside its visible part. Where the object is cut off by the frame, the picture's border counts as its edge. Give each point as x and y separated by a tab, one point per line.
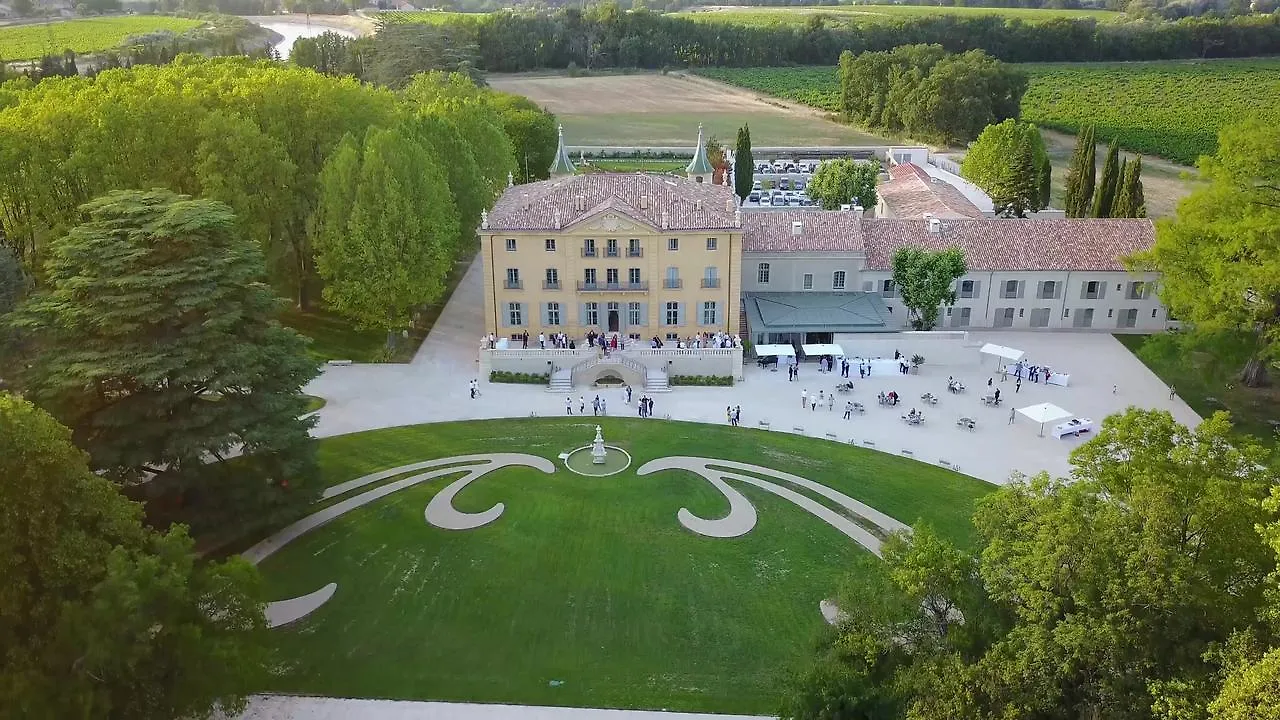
699	168
562	164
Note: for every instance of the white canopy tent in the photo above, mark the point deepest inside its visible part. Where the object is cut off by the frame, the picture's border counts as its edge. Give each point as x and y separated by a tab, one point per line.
1044	413
779	350
1008	353
821	349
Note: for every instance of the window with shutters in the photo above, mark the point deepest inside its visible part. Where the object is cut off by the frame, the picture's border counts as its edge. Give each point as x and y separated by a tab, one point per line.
551	244
515	314
611	247
673	314
511	244
808	281
633	276
589	248
1083	318
1092	291
1128	318
673	278
633	248
1010	289
1040	317
611	276
633	313
710	278
961	317
513	278
593	313
708	313
1048	290
1004	317
888	288
762	273
837	280
553	313
552	281
589	276
967	289
1137	290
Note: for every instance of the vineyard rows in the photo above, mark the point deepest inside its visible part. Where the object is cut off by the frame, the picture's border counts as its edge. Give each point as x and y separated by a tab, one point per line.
27	42
1171	109
869	14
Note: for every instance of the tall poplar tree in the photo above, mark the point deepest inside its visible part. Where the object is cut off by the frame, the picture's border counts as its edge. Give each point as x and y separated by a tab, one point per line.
1078	192
1107	184
744	165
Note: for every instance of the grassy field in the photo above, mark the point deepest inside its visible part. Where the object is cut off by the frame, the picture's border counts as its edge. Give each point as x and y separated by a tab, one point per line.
25	42
638	165
1207	379
664	110
426	17
587	591
867	14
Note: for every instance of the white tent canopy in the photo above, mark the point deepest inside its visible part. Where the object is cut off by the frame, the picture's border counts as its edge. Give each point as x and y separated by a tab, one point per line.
822	349
1007	353
1044	413
781	350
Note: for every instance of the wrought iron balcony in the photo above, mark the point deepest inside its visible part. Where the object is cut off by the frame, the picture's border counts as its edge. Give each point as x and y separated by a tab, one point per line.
550	285
513	285
672	284
611	252
635	252
612	287
588	252
710	282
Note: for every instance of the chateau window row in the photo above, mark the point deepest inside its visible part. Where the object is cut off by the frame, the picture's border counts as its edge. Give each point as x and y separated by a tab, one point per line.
838	278
1003	317
613	279
631	314
612	248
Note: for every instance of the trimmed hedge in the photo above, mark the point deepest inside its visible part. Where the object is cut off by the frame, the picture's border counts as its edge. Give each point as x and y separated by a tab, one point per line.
502	376
705	380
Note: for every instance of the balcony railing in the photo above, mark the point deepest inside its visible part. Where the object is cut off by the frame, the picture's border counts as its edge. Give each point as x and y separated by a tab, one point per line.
635	252
611	252
550	285
710	282
612	287
588	252
672	284
513	285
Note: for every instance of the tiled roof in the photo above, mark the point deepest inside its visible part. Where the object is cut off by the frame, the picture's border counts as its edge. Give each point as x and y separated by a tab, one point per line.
667	203
1010	245
911	193
830	231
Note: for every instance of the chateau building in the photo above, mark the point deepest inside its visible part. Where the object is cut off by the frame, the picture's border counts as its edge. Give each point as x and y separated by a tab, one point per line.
651	255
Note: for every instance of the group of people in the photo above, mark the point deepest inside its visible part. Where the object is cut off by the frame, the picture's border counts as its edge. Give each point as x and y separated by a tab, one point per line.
1033	372
889	398
600	405
954	385
915	417
813	401
733	414
559	341
700	341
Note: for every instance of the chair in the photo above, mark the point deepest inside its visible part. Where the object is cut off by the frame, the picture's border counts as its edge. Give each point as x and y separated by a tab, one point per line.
857	407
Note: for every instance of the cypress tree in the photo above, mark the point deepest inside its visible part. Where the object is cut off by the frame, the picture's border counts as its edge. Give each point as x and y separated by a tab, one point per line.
1129	199
1046	178
1078	192
744	166
1120	205
1107	184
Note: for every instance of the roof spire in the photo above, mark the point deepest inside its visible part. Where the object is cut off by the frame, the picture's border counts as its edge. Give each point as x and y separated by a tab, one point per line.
699	166
562	164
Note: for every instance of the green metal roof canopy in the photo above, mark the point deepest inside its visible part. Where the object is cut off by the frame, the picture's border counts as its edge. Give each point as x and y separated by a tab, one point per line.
700	165
802	312
562	165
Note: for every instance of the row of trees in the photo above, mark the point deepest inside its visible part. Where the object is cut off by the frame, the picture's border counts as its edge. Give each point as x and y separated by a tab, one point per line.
1139	588
1117	193
928	93
603	35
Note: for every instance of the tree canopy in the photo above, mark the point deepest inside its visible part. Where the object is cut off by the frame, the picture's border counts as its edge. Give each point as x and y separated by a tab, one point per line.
1220	256
844	181
1008	161
744	165
926	281
156	342
101	617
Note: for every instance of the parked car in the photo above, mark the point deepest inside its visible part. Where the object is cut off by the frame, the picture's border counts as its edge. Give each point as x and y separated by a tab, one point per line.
784	183
801	183
756	185
778	201
753	196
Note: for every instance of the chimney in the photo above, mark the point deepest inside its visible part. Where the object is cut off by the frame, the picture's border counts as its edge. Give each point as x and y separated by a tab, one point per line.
729	204
797	227
697	205
858	210
935	226
644	202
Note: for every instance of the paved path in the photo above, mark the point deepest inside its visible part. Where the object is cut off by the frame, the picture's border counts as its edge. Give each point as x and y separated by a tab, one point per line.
275	707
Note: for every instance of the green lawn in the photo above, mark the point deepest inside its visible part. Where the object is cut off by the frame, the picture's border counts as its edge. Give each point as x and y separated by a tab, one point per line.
588	582
24	42
1208	381
333	337
871	14
768	127
636	165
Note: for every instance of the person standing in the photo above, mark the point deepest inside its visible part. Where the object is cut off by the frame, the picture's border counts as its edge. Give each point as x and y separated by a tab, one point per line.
1011	414
1018	385
848	410
628	394
582	404
813	403
997	395
737	415
568	406
604	407
1172	392
728	414
649	412
804	398
473	389
542	341
831	402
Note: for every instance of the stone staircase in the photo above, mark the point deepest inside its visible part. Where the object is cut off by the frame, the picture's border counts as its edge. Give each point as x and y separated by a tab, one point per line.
561	381
655	381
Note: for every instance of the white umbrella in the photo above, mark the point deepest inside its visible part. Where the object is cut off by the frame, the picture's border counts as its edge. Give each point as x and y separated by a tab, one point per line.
1044	413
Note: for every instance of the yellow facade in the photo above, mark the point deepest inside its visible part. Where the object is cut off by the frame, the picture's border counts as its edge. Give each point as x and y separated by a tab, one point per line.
638	270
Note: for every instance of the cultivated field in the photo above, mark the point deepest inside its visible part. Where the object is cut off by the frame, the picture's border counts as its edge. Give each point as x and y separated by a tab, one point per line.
26	42
867	14
664	110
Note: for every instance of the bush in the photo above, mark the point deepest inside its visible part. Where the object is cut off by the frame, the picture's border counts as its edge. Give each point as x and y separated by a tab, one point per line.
702	380
502	376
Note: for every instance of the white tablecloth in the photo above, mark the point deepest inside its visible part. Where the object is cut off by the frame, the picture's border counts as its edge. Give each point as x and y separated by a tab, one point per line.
1075	426
1056	378
879	367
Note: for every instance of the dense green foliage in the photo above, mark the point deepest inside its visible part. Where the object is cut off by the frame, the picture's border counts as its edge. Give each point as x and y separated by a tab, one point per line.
595	584
845	182
502	376
744	166
702	380
1082	175
1108	182
927	93
1220	257
101	617
1173	110
1008	161
926	280
605	36
156	343
1130	199
22	42
861	15
1117	593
